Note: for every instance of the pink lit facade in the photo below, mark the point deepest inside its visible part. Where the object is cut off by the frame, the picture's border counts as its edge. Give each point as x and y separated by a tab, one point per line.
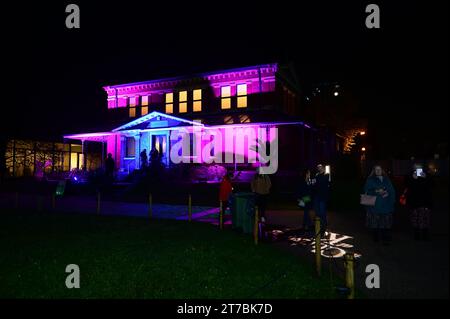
145	115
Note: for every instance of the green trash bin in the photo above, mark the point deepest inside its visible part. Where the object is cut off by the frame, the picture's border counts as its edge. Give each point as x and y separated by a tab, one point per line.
60	188
243	211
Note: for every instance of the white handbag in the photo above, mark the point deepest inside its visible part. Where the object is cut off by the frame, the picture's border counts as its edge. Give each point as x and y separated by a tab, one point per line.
368	200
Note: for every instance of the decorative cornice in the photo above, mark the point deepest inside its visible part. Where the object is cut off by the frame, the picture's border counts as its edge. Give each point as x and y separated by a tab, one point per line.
265	72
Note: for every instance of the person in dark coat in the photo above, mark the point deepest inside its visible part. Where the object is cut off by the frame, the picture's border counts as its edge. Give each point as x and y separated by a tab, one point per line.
225	190
419	202
379	217
260	186
144	159
305	198
109	167
154	157
321	194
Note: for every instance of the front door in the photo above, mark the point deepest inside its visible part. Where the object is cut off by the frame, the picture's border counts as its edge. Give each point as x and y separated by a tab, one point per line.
159	143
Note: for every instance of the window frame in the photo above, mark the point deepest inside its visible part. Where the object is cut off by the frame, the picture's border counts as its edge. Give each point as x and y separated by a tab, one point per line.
167	103
133	141
198	100
225	98
240	96
182	102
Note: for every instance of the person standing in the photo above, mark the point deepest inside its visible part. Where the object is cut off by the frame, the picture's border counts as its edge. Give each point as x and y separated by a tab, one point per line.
225	190
321	196
260	186
379	216
154	156
419	202
109	167
144	159
305	198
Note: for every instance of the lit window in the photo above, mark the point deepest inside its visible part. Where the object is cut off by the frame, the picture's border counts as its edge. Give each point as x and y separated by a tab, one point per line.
144	110
226	103
242	89
144	100
197	106
130	147
225	93
73	160
169	102
132	107
242	95
197	97
242	101
183	107
182	98
197	94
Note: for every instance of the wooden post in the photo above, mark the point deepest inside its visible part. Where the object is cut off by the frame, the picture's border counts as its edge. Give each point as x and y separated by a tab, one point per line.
349	274
190	208
318	246
39	203
98	202
150	208
53	201
256	226
16	200
221	215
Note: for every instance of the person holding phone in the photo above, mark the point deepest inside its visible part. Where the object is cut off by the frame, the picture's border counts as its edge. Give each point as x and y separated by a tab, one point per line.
225	190
419	202
304	198
379	217
321	194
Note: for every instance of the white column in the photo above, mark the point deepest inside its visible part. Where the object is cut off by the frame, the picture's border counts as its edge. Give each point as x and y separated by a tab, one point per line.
137	151
122	152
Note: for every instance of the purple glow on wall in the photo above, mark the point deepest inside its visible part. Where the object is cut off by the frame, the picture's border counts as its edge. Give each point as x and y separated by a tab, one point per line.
260	78
229	144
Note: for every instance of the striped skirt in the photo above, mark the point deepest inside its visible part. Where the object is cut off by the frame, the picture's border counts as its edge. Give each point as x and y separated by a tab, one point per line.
420	218
378	221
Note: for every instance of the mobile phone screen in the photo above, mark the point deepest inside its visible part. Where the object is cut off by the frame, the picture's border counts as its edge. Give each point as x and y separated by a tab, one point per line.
419	172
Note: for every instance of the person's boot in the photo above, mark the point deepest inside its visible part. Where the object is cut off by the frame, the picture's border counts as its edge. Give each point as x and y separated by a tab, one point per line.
376	235
386	237
425	234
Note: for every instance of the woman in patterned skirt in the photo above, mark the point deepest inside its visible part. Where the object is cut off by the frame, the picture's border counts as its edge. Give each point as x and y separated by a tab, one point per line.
418	200
379	217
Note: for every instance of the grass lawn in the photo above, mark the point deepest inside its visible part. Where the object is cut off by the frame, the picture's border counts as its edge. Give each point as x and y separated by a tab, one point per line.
135	258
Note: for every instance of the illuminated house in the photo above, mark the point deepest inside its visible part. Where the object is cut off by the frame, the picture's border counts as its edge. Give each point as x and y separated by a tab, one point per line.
143	116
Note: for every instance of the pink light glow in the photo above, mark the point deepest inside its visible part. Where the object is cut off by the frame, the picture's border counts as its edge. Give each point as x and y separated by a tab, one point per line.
260	78
88	136
237	144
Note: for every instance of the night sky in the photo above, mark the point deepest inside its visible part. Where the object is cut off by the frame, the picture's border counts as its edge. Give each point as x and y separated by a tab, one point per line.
54	76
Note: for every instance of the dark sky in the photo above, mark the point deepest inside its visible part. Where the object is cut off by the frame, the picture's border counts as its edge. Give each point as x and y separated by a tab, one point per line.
55	75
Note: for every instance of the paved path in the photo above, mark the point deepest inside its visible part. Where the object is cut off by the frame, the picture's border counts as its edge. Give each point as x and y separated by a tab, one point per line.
409	269
88	205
